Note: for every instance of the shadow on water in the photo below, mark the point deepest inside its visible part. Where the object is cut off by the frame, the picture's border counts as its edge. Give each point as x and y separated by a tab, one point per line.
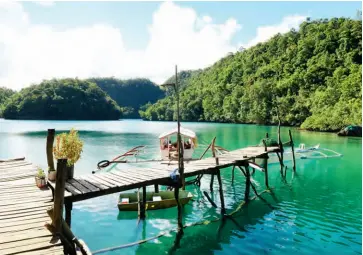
218	233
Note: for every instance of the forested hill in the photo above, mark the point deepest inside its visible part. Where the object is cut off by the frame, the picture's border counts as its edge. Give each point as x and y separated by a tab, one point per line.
184	78
312	76
5	94
130	94
64	99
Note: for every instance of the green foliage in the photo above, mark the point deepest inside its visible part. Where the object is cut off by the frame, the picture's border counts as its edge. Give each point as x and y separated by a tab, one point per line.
64	99
5	94
40	174
68	146
313	76
131	94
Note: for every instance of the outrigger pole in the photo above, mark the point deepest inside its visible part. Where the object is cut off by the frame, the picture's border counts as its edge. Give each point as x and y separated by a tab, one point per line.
180	181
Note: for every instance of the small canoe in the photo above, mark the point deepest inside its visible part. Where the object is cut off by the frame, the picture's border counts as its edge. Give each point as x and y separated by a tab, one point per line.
154	201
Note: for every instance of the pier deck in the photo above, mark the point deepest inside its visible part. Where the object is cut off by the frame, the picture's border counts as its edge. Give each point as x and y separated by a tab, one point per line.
23	212
99	184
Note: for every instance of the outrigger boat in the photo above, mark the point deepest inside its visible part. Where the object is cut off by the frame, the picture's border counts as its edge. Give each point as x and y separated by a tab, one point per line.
168	152
155	201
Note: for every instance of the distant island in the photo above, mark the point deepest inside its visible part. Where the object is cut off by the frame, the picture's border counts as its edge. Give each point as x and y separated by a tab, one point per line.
312	77
75	99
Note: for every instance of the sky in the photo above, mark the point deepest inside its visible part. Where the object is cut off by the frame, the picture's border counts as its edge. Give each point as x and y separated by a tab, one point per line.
45	40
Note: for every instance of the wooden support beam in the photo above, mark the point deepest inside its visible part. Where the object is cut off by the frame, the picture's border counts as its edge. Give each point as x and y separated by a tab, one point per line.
68	206
180	220
281	163
141	203
217	162
59	194
49	148
156	188
281	147
248	184
207	148
265	165
223	209
293	152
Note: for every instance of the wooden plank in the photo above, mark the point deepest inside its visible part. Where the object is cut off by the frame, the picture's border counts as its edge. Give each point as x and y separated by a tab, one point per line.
29	245
40	214
70	188
94	183
22	213
55	250
87	184
108	180
22	201
24	222
120	179
29	234
25	196
29	206
79	186
101	180
36	225
129	179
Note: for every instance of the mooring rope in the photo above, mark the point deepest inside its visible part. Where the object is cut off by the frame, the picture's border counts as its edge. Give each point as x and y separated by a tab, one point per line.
163	233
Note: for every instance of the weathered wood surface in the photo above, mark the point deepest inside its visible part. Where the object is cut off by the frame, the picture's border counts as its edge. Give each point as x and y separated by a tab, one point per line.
23	212
103	183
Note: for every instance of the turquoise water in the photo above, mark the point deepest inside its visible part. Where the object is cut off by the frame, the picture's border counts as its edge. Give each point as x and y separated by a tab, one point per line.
316	211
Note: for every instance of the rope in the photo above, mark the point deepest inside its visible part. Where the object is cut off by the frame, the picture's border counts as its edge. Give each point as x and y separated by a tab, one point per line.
163	233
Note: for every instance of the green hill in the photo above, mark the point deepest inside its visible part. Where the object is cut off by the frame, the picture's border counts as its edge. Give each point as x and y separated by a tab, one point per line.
63	99
313	76
5	94
130	94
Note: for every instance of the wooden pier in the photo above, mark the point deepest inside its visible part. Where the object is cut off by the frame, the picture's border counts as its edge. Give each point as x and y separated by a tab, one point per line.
26	210
23	212
99	184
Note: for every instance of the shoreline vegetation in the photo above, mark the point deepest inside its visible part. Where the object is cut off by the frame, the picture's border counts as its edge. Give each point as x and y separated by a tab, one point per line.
310	78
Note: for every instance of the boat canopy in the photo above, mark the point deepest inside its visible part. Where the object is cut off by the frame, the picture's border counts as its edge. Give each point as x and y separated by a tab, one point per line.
183	131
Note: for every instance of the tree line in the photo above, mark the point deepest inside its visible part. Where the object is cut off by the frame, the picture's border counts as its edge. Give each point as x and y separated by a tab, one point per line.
75	99
310	77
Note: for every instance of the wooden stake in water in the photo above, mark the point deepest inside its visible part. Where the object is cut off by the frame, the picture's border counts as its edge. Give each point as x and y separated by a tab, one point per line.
293	152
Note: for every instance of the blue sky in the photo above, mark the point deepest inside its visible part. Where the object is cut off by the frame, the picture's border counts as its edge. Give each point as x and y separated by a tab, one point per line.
132	18
138	39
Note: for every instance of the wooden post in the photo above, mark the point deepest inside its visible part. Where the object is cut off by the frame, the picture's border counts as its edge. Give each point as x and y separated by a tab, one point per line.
142	203
156	188
223	209
49	148
59	194
68	206
180	222
217	163
265	163
281	147
248	184
293	152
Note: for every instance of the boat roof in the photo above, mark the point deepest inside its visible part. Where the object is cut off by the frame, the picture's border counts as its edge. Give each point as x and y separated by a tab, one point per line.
183	131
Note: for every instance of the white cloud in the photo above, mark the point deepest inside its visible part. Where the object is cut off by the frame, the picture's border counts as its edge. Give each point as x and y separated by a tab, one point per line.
266	32
44	3
30	53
